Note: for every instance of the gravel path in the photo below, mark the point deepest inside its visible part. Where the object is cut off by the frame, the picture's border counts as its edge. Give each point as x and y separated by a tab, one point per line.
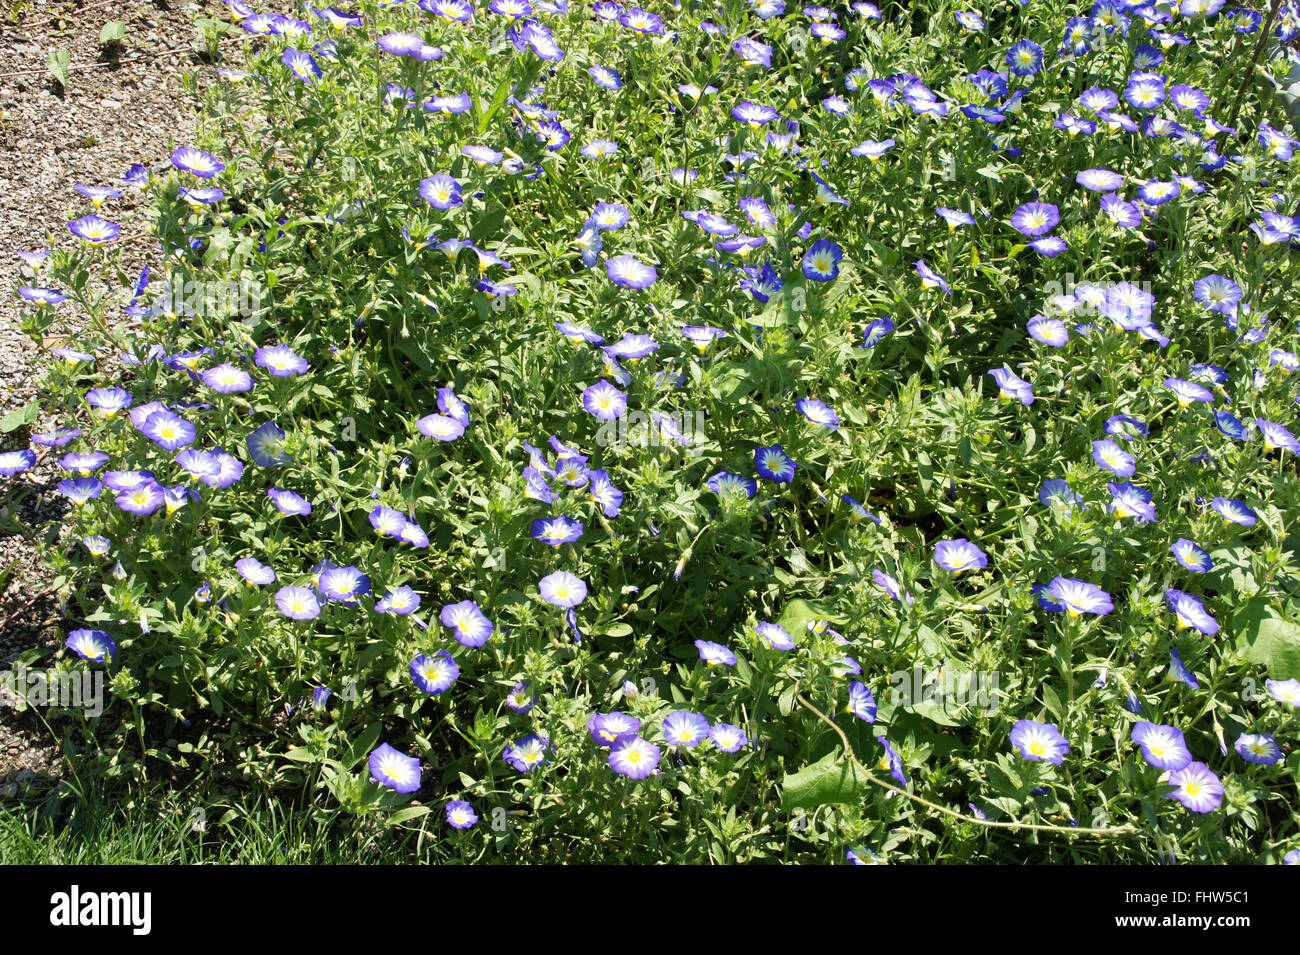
131	108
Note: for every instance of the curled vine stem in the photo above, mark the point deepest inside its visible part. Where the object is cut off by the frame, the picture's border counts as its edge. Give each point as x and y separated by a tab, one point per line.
1108	832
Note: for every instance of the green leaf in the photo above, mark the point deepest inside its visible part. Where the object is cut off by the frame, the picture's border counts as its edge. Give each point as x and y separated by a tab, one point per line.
1269	640
410	812
113	32
930	640
58	62
934	711
785	703
1052	700
798	612
1232	571
732	382
363	744
825	782
20	417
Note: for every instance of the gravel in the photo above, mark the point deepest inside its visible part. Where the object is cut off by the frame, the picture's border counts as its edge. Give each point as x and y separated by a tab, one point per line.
131	108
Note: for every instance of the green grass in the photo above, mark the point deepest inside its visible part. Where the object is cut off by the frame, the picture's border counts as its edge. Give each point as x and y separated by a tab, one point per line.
158	826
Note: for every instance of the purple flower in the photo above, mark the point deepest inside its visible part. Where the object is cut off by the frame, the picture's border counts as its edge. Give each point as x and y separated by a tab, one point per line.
728	738
1234	511
1126	215
298	603
604	401
1035	218
562	589
1113	458
227	379
631	273
169	431
1079	597
1162	746
876	331
1277	437
520	699
394	770
892	762
142	501
400	600
1013	387
1039	741
715	654
556	530
264	445
453	406
196	162
684	728
468	624
773	464
1178	671
434	674
346	585
1191	612
1049	245
724	483
254	571
1128	500
289	502
42	296
1197	788
1099	180
821	263
301	65
959	555
109	400
93	645
441	191
776	636
441	427
401	44
460	814
930	278
862	703
57	438
528	754
818	412
608	728
15	462
1258	748
83	464
633	757
1049	331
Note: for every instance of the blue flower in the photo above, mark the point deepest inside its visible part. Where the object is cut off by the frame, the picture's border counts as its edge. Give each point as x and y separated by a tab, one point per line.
395	770
862	703
773	464
264	445
821	263
1040	741
959	555
434	674
1179	672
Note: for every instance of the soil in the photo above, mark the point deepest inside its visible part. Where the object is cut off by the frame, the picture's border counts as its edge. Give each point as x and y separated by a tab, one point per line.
123	103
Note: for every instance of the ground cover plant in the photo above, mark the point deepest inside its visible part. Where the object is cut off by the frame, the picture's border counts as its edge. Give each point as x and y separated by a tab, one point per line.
719	432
